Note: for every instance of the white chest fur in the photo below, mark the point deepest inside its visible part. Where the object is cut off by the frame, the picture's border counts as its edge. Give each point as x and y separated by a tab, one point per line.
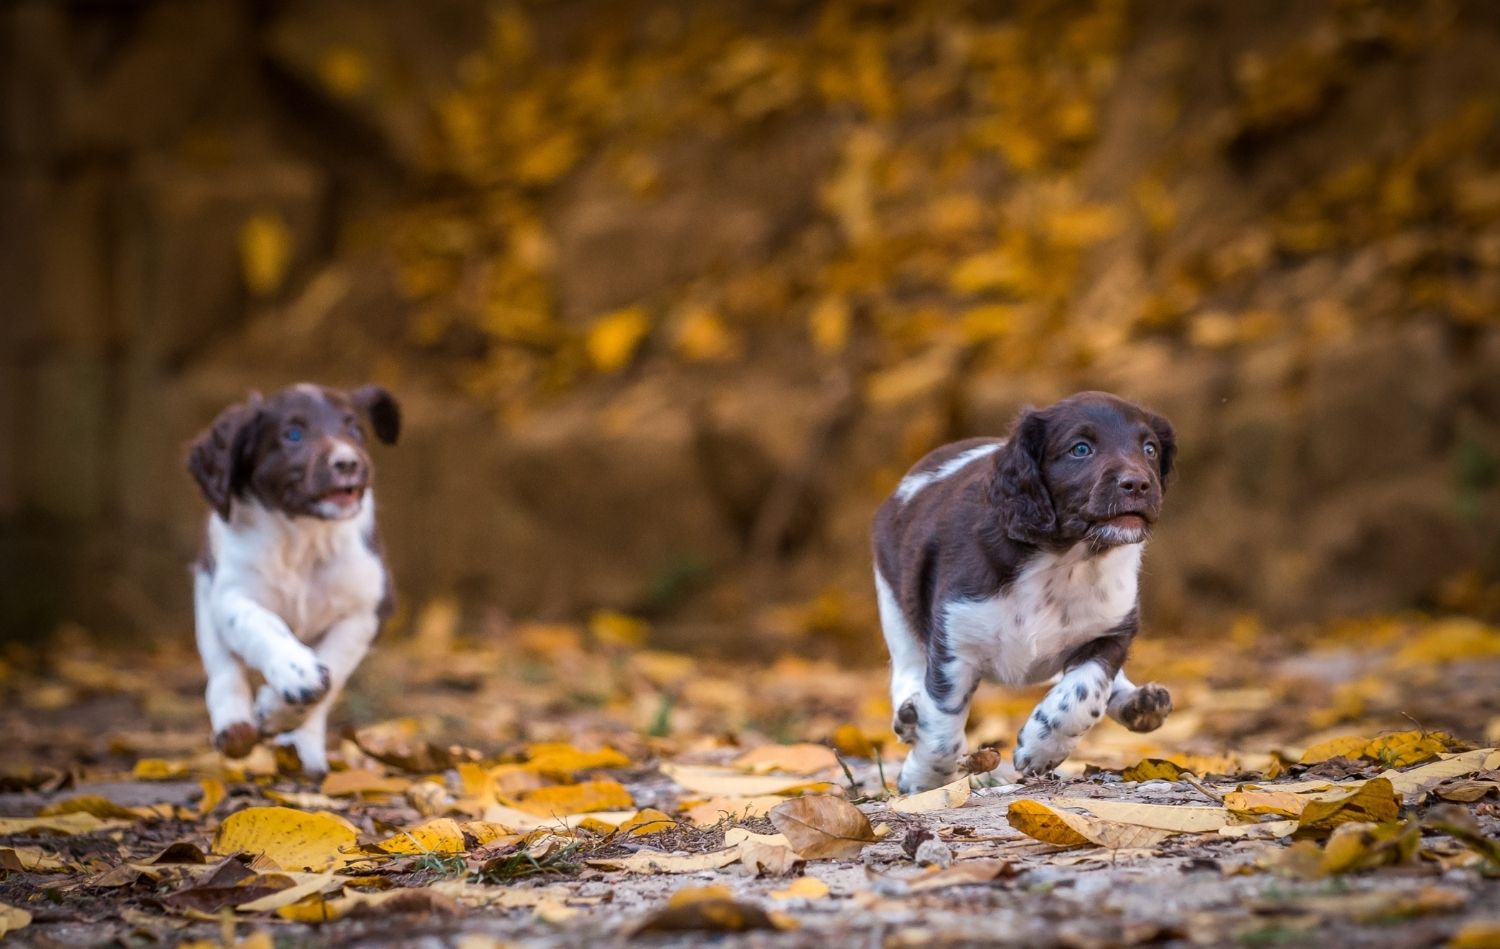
310	572
1059	601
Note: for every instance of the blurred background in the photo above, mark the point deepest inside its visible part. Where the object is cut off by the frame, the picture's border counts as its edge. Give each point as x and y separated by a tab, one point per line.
673	292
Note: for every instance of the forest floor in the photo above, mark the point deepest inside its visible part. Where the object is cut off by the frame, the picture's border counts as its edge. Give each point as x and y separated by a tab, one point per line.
570	787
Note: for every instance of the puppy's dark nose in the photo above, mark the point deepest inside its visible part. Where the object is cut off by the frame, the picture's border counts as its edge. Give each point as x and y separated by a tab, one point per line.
1134	482
346	466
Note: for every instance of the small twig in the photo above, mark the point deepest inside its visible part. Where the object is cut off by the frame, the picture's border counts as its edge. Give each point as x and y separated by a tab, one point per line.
1207	792
849	775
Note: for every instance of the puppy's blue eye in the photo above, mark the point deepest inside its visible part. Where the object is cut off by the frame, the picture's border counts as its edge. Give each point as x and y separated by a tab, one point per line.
1081	450
1150	450
293	434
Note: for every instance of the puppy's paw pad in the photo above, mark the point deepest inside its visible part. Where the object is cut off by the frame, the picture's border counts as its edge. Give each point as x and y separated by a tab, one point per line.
904	724
1147	709
300	679
237	740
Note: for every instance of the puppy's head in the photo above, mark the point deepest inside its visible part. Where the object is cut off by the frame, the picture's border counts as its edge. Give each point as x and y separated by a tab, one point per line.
1092	467
302	451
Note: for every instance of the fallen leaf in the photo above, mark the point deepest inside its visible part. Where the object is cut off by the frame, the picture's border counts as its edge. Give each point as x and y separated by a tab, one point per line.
575	798
823	827
442	835
1067	829
801	759
306	885
941	798
1256	803
851	742
13	918
1179	818
1374	802
1474	934
706	909
293	839
710	812
1415	784
769	859
79	822
612	339
1355	846
963	873
802	888
562	761
646	822
157	769
1349	746
94	804
30	860
1152	769
359	781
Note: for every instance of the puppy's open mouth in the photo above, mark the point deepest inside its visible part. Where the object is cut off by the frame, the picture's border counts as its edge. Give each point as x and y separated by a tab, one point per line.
342	497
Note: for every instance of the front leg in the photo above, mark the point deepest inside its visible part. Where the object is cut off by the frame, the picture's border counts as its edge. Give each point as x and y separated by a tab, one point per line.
935	718
306	729
261	640
1071	707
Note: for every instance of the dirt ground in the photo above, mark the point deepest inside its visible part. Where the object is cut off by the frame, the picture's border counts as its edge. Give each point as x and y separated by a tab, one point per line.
1273	827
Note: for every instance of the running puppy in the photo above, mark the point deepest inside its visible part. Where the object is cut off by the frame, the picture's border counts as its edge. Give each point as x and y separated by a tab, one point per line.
1018	558
289	587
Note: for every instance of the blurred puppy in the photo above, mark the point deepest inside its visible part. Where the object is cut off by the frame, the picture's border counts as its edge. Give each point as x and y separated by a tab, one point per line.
1017	558
290	586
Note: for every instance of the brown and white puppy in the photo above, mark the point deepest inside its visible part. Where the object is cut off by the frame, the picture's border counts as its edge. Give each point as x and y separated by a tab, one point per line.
1017	559
290	587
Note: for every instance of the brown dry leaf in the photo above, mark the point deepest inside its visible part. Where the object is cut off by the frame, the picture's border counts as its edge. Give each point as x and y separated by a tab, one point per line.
442	835
728	782
1374	801
1404	749
304	885
293	839
1466	790
320	909
822	827
947	796
656	861
30	860
980	761
95	804
706	909
13	918
1066	829
1359	845
803	759
1254	804
158	769
359	781
575	798
768	859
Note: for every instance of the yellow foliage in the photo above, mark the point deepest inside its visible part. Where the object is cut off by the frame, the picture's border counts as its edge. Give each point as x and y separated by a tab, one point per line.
618	629
442	835
294	840
562	761
575	798
265	252
828	324
613	339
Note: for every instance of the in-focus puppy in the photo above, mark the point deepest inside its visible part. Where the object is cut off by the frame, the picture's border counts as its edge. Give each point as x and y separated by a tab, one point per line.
1017	559
290	587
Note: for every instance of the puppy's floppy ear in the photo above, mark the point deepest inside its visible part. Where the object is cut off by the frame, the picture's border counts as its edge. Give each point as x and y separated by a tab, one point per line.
1167	440
219	459
381	409
1019	491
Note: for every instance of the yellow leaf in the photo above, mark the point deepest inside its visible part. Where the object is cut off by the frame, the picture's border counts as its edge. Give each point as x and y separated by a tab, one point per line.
575	798
78	822
307	885
94	804
1360	845
265	252
157	769
1067	829
1475	934
612	340
618	629
828	324
1152	769
1178	818
689	895
803	759
852	742
1254	804
823	826
992	270
1374	801
802	888
1450	640
214	793
30	859
701	336
487	832
561	761
646	822
947	796
1403	749
1350	746
293	839
1413	785
13	918
442	835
